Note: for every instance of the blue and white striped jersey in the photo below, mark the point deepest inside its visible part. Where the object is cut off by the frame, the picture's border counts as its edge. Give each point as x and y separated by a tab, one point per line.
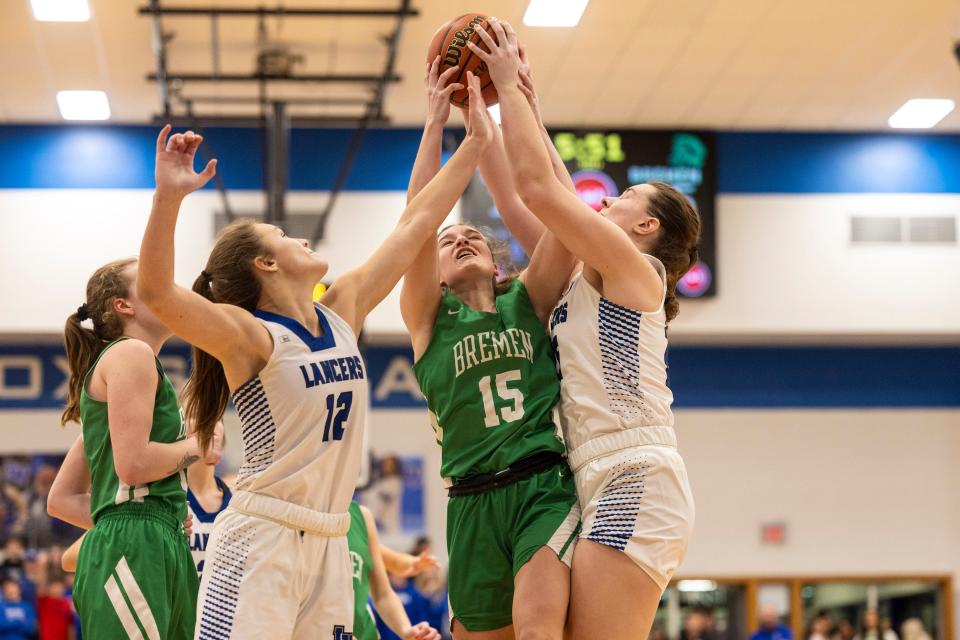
303	415
203	522
611	362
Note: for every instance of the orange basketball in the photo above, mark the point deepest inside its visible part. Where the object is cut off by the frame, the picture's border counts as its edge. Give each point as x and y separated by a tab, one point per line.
450	43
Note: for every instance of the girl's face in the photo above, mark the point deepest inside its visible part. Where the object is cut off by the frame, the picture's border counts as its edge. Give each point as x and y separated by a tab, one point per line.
464	256
630	209
290	256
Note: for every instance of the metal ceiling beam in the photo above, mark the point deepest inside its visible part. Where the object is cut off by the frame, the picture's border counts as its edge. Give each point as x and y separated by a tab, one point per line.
374	113
268	77
393	45
319	122
160	53
300	12
319	101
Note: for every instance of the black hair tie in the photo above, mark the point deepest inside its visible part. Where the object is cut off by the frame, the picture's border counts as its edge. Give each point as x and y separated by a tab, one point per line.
206	275
83	313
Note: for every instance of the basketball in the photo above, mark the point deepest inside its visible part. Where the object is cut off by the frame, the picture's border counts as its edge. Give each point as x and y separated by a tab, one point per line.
450	43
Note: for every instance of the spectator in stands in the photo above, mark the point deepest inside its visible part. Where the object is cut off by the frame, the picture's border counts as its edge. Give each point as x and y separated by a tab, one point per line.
845	630
432	586
13	510
912	629
39	524
770	626
699	625
13	558
872	630
821	626
18	618
54	608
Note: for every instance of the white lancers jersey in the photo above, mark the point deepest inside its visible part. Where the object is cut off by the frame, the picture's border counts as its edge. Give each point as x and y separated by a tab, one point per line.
303	415
203	523
611	363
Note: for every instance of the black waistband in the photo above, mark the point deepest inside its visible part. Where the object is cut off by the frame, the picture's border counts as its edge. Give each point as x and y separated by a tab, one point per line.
519	470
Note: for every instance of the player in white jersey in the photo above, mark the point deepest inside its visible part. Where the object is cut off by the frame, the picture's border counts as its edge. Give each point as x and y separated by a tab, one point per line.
207	496
609	333
277	562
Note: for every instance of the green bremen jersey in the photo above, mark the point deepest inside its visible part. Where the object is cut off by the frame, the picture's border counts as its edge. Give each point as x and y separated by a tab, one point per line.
364	625
106	488
490	383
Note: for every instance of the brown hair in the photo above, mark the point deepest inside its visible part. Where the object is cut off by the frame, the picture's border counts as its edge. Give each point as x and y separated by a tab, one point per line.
499	250
677	242
84	345
227	279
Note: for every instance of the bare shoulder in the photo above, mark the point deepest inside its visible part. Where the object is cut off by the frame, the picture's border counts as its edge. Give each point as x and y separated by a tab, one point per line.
128	352
258	338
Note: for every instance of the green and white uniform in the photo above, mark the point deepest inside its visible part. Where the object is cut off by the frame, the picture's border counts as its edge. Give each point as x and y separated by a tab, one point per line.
491	387
364	624
135	576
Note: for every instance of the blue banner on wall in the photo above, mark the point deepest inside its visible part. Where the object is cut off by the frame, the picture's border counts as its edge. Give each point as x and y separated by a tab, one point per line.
34	376
122	156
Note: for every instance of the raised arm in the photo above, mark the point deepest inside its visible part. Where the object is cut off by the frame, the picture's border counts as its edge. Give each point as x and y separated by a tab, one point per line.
357	292
530	92
385	599
495	169
225	331
420	293
628	278
69	498
520	221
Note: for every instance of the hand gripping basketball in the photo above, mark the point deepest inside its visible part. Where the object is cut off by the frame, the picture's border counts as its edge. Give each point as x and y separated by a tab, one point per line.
503	59
439	89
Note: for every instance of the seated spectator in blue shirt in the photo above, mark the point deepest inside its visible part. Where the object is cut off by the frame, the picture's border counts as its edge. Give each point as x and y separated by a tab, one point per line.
18	619
770	627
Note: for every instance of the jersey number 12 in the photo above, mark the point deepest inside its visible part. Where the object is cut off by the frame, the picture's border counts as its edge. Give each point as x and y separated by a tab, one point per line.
515	396
342	404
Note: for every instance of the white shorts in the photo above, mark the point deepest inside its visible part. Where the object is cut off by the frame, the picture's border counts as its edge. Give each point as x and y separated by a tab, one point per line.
638	500
282	574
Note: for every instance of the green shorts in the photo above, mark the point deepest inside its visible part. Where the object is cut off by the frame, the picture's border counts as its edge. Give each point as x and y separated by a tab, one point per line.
491	535
135	576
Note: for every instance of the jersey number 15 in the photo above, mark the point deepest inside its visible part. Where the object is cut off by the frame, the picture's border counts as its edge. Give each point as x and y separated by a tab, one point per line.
514	396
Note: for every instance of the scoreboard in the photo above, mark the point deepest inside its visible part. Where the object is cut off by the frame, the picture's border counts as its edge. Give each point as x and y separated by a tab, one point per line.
606	162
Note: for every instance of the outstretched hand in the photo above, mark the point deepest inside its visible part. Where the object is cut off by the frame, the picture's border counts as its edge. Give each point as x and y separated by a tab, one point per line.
480	124
419	564
174	171
503	59
438	90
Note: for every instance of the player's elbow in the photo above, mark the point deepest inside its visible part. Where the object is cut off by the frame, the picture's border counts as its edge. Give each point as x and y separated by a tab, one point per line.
129	471
55	500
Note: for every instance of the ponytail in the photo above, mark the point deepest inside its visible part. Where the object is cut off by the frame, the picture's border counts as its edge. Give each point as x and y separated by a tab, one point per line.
83	348
83	345
227	279
206	393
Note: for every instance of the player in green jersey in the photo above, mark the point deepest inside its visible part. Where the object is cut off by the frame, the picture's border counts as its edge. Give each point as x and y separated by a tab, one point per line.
485	364
135	576
370	579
